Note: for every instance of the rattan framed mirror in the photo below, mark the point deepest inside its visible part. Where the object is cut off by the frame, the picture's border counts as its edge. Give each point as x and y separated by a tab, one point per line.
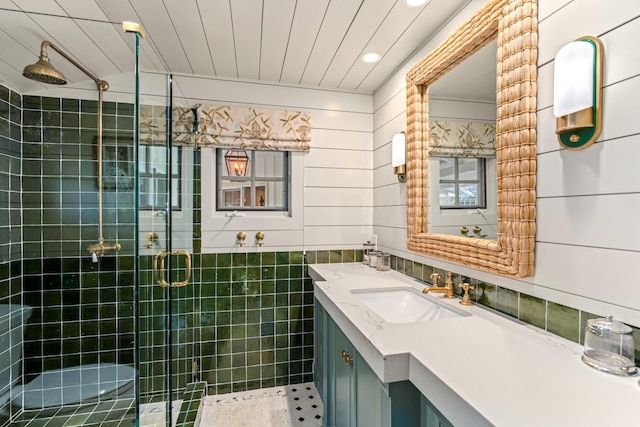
515	25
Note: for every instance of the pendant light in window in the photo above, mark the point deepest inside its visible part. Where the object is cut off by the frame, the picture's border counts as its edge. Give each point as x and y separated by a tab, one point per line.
237	162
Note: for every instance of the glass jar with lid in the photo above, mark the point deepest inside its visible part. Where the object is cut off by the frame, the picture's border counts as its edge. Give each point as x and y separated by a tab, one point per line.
609	346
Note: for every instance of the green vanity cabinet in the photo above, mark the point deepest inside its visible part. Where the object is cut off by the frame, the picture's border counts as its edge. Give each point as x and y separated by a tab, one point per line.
352	394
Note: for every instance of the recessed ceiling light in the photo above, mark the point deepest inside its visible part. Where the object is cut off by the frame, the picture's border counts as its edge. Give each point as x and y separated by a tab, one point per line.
371	57
415	3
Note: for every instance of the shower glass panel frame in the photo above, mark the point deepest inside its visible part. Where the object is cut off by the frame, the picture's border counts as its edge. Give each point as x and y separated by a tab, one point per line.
168	321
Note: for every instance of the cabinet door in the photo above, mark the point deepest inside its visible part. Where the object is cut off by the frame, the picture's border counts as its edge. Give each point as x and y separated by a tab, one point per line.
373	405
344	359
319	350
431	417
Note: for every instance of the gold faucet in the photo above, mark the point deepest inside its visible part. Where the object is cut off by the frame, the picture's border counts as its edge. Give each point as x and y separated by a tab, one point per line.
448	289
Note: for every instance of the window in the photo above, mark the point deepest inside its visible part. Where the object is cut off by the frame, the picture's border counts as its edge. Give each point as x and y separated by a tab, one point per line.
252	180
153	177
462	183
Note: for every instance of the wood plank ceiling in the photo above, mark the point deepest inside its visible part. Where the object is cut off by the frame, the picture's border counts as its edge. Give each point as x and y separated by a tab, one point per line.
310	43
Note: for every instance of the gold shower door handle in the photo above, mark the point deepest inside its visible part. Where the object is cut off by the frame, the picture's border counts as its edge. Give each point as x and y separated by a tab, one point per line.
159	268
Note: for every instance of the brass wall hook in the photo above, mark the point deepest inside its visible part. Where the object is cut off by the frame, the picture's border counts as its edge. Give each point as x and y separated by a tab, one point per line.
151	237
240	238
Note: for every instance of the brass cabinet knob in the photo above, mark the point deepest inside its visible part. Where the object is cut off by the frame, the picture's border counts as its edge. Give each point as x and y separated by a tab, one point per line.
259	238
348	359
464	230
466	299
477	229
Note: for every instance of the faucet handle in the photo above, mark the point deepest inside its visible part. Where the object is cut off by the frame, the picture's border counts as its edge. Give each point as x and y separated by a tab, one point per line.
435	278
466	299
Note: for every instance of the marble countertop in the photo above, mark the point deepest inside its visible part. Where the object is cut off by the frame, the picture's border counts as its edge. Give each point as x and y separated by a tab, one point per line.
480	370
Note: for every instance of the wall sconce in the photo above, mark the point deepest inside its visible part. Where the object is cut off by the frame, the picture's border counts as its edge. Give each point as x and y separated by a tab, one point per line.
237	162
577	97
399	155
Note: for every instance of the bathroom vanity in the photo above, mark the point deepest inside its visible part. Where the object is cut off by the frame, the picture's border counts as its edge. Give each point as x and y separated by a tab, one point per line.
387	355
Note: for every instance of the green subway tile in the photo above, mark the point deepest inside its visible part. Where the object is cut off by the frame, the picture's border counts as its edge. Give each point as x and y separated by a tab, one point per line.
282	300
416	271
253	330
239	260
223	260
238	303
533	310
268	286
253	259
223	274
282	313
268	258
296	257
223	303
253	288
282	272
310	257
487	295
267	301
238	289
295	285
208	260
349	255
282	286
563	321
507	302
268	273
253	316
238	331
335	256
295	271
322	257
282	258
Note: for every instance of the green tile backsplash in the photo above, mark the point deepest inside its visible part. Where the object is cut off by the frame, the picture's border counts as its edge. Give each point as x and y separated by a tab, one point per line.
558	319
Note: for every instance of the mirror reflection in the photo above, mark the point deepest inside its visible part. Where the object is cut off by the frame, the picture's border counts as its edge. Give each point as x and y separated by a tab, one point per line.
462	149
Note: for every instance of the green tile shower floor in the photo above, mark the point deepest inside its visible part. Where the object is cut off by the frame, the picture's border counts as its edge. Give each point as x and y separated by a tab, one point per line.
115	413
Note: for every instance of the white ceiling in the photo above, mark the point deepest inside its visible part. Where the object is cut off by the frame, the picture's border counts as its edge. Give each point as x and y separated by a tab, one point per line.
311	43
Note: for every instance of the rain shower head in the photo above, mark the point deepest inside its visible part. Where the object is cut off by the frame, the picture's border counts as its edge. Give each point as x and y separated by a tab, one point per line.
43	72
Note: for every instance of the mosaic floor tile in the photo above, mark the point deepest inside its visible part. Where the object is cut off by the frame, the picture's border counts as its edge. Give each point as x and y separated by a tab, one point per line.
296	405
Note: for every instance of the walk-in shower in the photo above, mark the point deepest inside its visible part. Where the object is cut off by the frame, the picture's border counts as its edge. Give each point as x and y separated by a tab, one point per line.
43	72
85	382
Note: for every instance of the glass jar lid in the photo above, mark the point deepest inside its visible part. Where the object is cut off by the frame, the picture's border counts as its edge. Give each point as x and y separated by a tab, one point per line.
607	324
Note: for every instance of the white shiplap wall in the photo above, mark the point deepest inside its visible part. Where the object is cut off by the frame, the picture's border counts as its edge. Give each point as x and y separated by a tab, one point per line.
588	202
335	186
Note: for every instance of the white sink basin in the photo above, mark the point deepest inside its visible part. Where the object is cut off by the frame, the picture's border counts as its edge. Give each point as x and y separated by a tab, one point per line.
405	305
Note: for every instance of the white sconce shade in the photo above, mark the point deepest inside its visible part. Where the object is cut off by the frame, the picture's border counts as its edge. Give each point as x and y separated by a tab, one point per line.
577	97
399	155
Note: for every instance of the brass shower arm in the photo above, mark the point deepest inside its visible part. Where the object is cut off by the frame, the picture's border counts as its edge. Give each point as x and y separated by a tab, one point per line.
102	85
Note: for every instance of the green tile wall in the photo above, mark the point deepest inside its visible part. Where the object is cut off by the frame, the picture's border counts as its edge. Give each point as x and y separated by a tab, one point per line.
10	215
83	312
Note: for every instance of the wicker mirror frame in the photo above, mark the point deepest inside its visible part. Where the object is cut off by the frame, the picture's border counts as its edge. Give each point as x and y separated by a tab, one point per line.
515	25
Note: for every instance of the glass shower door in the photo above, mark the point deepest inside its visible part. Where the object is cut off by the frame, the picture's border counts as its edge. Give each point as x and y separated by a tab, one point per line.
167	321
